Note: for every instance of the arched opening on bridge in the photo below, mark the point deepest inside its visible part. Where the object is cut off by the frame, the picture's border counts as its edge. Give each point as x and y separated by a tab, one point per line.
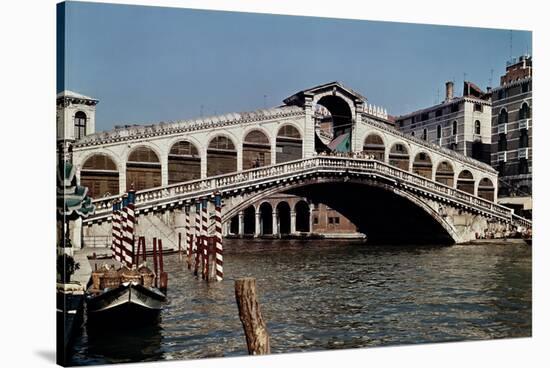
379	212
422	165
302	217
256	150
249	220
100	174
399	156
288	144
143	169
283	210
445	174
374	146
266	219
184	163
234	225
221	156
465	182
486	189
340	121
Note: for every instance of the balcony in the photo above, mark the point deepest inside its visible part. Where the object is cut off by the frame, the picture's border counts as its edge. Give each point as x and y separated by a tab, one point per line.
523	153
501	156
524	124
502	129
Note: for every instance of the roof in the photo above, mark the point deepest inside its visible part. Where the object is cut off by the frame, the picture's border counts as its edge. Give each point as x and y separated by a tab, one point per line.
454	100
298	97
71	94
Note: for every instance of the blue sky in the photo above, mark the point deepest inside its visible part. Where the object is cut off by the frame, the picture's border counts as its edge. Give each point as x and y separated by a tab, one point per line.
151	64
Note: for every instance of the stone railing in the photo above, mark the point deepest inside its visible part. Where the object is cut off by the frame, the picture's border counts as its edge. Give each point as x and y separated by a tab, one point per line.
432	147
272	175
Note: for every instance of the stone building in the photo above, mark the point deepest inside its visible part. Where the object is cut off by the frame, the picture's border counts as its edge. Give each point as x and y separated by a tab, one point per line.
462	124
512	134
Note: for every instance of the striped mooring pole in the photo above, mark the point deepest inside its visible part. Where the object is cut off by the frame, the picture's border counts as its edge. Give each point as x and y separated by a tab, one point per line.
196	243
218	236
204	237
188	236
127	232
116	244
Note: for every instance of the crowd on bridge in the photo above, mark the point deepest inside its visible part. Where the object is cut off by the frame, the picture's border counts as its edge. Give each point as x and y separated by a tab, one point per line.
360	155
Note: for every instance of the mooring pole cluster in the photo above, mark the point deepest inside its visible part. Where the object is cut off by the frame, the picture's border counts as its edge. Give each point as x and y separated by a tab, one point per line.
204	252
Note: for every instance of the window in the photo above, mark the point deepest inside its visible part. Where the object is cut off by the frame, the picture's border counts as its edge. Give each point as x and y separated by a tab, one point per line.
424	116
502	142
399	148
438	113
523	138
477	127
412	133
454	107
525	87
523	166
337	220
503	117
478	107
438	131
315	220
455	127
331	220
525	111
79	125
425	134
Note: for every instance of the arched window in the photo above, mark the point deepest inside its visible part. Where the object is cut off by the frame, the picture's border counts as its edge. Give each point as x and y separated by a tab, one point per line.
374	146
221	156
412	133
422	165
100	174
143	169
438	131
288	144
399	156
79	125
256	150
465	182
455	127
525	111
503	117
184	163
477	127
486	189
445	174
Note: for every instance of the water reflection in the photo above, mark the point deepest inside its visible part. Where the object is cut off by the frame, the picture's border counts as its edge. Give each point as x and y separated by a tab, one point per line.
334	295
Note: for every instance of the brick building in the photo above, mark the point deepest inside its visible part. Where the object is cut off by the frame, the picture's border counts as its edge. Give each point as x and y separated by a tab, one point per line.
512	134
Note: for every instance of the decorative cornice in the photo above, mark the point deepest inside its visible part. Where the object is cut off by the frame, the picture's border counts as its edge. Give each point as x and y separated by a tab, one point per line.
512	84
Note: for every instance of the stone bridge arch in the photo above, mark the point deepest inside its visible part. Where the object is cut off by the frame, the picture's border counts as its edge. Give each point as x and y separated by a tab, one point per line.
429	214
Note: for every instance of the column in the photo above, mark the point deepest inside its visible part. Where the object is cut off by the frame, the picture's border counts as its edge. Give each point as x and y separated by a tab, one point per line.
311	208
241	223
275	225
292	221
164	170
257	230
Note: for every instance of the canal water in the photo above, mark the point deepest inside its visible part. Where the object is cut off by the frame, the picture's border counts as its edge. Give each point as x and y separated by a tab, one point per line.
331	295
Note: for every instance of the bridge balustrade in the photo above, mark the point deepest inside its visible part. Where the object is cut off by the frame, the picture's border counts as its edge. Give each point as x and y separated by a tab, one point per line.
249	177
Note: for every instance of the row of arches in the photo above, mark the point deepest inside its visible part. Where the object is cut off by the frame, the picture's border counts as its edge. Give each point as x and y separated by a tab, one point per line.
422	165
144	169
268	219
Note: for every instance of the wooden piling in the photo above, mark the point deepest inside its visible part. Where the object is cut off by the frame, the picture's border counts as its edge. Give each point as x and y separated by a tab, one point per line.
257	337
155	262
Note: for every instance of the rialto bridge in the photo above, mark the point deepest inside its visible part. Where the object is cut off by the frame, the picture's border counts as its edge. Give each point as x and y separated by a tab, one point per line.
325	145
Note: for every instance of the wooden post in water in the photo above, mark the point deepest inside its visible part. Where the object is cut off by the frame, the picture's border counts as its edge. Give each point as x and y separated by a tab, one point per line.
163	282
257	337
155	263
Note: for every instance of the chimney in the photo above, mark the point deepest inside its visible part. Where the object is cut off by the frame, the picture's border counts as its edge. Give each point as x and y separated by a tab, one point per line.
450	93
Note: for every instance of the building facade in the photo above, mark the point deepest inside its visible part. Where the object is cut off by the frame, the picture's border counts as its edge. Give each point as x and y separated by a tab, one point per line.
512	134
462	124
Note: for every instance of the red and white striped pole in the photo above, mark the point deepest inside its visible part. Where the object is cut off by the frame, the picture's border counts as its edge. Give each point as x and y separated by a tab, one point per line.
188	236
116	243
204	235
197	241
218	236
127	257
